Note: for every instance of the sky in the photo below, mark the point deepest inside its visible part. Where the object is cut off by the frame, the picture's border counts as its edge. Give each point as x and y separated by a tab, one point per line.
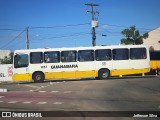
65	23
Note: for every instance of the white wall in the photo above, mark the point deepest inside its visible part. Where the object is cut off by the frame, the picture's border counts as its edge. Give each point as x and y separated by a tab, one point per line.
153	39
5	72
4	53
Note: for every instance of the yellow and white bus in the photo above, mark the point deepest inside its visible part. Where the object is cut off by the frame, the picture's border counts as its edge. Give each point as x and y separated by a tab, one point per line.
80	62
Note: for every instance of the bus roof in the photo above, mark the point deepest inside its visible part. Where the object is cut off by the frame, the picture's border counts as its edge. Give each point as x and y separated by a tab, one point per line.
79	48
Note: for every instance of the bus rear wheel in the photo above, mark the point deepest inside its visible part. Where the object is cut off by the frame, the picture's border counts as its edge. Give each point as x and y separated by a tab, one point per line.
38	77
103	74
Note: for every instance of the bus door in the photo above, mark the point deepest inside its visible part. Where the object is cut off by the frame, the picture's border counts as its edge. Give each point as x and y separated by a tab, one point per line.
86	64
121	63
20	67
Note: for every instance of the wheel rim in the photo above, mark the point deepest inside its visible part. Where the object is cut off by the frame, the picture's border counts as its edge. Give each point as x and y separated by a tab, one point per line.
38	77
105	75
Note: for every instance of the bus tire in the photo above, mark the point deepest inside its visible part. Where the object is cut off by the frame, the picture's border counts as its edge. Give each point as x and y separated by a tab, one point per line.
103	74
38	77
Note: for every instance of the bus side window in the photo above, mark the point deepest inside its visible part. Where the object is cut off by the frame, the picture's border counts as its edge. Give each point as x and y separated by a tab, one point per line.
69	56
51	57
36	57
85	55
138	53
120	54
103	54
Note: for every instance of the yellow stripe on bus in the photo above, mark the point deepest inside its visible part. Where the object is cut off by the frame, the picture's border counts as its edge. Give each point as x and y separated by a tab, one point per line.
79	74
73	74
22	77
129	72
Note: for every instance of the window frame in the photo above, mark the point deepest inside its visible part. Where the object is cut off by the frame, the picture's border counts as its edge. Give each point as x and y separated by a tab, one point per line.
118	57
110	55
70	58
91	51
21	66
142	57
57	59
41	61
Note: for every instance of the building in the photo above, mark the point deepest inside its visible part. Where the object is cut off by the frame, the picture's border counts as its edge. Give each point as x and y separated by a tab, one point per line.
153	40
4	53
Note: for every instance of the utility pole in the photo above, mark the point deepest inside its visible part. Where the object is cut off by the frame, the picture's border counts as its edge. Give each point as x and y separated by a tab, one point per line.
94	22
27	40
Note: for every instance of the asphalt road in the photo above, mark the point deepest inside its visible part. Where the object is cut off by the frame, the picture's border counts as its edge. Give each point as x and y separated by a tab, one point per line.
115	94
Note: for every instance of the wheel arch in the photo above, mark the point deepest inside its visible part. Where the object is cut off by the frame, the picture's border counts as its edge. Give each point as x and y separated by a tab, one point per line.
103	69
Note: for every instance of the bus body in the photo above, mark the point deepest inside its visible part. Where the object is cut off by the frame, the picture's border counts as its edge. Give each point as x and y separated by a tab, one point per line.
80	62
155	61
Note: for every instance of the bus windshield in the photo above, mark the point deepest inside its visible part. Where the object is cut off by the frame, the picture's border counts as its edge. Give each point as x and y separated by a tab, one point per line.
20	60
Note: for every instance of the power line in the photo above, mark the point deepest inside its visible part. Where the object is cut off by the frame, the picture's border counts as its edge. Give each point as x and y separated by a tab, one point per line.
10	29
60	26
74	25
122	26
13	39
68	35
63	36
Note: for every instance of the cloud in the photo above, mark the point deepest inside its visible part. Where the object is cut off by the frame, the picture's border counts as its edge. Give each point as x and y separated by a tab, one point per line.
104	26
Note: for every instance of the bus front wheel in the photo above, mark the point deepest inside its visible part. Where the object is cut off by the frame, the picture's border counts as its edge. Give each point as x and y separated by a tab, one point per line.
103	74
38	77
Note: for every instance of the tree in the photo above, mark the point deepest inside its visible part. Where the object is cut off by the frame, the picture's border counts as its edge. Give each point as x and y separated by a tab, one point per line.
8	60
132	36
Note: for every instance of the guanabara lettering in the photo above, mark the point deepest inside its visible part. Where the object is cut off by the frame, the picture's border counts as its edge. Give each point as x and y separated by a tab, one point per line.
64	66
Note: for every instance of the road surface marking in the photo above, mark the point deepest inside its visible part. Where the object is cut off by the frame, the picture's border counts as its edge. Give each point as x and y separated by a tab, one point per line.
1	101
54	91
3	90
67	91
13	102
58	103
42	91
158	94
2	96
27	102
41	102
32	86
47	85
